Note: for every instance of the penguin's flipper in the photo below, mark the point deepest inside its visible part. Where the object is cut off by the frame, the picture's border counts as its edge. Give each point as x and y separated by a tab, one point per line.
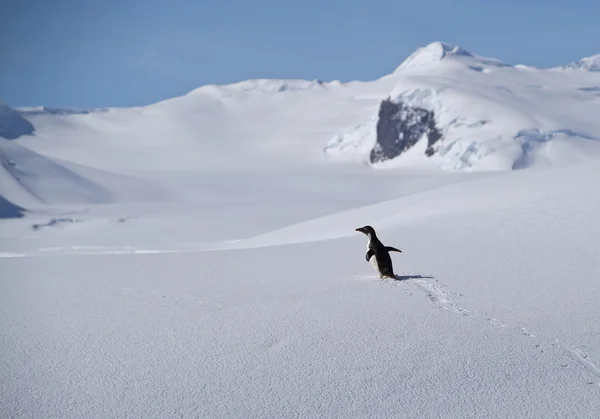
392	249
369	255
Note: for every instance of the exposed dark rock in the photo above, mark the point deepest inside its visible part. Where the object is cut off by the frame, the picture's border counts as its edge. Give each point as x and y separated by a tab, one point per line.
10	210
400	127
591	89
12	123
53	222
49	110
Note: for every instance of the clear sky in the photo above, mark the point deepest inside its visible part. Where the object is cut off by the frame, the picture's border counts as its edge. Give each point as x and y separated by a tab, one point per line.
94	53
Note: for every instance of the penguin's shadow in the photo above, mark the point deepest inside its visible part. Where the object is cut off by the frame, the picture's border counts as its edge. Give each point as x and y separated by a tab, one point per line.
407	277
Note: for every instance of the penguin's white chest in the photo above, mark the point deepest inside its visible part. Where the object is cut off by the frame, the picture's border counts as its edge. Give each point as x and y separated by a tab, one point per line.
373	261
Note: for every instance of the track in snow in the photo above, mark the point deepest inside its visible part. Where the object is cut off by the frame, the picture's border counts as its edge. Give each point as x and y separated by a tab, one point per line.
443	299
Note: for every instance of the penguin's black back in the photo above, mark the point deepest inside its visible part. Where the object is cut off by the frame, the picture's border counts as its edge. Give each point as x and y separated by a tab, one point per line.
384	260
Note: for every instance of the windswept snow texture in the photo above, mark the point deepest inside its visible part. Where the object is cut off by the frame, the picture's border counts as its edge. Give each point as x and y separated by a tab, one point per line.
495	313
45	180
33	181
198	257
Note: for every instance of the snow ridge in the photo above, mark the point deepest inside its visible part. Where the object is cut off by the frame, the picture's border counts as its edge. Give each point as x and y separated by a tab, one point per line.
44	181
591	63
266	86
486	111
31	180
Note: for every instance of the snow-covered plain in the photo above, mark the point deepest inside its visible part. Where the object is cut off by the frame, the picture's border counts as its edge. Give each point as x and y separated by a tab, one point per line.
197	257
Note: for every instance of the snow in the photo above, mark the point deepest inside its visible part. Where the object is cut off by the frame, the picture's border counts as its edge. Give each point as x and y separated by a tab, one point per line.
198	257
481	106
430	55
264	86
34	179
591	63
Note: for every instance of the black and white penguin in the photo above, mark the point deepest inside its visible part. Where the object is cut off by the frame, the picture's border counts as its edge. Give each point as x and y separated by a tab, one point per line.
378	254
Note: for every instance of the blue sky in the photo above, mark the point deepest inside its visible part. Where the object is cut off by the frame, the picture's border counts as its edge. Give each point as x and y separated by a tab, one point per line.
88	53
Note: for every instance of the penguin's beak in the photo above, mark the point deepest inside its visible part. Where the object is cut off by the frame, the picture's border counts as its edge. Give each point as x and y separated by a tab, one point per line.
360	229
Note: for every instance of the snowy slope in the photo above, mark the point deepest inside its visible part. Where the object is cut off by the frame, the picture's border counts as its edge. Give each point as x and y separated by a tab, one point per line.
31	179
44	180
197	257
258	123
591	63
492	116
495	315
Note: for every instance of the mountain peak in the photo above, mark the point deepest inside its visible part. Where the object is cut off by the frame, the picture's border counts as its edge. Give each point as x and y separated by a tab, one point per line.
433	53
591	63
446	49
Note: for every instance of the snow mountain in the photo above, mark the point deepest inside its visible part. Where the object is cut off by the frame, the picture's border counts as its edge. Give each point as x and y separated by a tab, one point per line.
591	63
460	111
443	108
479	107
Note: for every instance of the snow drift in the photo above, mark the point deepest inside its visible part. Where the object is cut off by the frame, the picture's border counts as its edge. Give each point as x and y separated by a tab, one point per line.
43	180
29	179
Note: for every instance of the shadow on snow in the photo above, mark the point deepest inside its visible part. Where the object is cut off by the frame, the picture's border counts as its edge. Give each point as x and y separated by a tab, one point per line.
406	277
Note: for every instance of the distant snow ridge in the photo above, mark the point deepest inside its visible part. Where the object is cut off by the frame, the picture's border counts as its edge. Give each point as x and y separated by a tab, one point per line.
432	54
48	110
460	111
446	107
266	86
438	52
591	63
12	123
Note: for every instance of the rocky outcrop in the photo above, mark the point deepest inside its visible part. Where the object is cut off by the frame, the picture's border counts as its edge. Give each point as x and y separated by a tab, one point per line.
399	127
12	123
10	210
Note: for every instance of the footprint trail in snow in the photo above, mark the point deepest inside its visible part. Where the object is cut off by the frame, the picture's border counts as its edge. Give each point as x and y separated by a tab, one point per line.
443	299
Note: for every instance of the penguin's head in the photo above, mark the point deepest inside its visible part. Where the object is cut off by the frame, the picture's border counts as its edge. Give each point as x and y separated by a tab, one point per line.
368	230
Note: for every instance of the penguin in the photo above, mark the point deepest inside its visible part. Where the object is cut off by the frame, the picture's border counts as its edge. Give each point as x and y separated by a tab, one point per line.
378	254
